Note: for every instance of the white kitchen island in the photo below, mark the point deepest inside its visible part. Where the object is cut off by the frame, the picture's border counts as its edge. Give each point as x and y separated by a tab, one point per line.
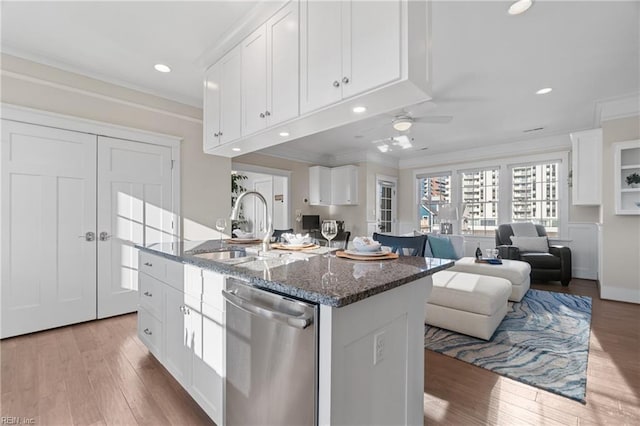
370	328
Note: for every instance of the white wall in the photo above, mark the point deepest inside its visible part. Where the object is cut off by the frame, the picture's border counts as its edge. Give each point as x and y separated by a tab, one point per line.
204	178
620	275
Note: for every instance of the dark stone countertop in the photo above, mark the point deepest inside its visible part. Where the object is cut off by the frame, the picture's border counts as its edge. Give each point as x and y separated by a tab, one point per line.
305	275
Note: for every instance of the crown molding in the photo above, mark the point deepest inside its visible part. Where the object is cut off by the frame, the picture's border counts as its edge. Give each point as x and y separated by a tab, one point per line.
553	143
257	16
617	107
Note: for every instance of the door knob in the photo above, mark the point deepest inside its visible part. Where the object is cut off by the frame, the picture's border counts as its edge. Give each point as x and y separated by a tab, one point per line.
104	236
336	83
89	236
345	80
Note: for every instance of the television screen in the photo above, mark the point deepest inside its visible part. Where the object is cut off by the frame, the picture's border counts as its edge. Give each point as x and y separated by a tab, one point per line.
310	222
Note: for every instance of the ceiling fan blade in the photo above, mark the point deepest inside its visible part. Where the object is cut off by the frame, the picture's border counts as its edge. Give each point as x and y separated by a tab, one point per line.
418	110
443	119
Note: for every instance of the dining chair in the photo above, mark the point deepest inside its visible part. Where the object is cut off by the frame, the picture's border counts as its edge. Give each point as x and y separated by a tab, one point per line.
399	244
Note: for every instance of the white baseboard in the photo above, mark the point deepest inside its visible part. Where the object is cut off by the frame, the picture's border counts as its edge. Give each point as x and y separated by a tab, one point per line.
631	295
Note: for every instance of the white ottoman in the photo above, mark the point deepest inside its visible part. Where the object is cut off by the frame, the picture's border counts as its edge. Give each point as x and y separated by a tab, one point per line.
517	272
467	303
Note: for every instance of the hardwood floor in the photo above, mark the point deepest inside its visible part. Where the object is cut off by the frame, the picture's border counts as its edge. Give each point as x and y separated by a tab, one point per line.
457	393
100	373
95	373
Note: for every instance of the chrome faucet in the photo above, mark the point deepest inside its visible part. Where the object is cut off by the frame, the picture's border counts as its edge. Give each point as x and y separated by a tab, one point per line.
236	211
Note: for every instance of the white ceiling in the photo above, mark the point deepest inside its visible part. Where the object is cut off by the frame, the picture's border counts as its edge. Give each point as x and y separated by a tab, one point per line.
487	65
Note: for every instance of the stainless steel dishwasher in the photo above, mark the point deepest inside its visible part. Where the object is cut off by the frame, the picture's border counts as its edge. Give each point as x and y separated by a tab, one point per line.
271	358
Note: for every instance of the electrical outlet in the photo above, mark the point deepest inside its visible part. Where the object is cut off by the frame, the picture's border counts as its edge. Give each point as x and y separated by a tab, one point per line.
378	348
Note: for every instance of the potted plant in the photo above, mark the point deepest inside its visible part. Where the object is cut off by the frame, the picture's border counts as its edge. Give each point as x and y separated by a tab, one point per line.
633	180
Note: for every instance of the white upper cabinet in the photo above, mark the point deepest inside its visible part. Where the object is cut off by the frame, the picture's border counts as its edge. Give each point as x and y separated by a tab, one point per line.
321	54
337	186
270	72
319	186
347	48
586	160
306	67
223	101
344	185
254	77
283	82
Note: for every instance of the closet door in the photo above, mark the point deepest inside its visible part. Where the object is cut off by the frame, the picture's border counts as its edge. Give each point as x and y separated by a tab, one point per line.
48	249
134	207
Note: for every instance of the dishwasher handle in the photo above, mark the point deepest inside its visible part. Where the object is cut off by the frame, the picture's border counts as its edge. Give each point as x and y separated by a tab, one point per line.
301	321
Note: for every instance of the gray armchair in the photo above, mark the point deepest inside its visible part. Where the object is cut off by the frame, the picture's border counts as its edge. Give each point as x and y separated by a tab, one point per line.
552	266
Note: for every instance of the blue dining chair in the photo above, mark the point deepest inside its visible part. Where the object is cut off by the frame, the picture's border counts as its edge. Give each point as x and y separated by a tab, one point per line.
398	244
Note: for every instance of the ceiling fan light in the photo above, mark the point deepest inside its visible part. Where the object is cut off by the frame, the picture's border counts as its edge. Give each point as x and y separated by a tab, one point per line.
402	124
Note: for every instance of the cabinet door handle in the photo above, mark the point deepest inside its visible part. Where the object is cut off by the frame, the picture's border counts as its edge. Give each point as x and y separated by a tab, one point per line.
147	332
336	83
148	264
220	134
345	80
262	115
104	236
215	135
146	293
267	113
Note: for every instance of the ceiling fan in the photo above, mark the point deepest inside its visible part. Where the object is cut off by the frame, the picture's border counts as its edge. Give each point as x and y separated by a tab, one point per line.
403	119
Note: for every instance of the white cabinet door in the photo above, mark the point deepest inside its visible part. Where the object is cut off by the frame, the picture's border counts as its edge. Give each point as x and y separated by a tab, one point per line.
231	96
586	162
254	82
212	96
344	185
319	186
371	45
282	65
320	53
48	186
134	207
178	335
208	365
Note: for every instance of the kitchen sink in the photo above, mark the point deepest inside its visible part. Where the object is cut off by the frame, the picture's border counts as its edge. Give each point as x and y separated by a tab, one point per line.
222	254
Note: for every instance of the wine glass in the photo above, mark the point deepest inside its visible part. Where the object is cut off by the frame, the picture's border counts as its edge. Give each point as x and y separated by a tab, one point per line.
221	225
329	232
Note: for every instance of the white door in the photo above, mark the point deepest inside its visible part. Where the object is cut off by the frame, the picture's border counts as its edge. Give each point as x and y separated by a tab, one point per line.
212	90
320	53
386	206
265	187
231	96
371	49
134	207
254	81
282	65
48	181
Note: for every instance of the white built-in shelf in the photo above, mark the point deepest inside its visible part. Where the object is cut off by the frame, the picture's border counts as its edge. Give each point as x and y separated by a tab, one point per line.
626	159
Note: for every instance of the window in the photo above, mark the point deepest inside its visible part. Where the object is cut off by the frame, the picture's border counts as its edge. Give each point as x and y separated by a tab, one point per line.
480	200
535	195
434	192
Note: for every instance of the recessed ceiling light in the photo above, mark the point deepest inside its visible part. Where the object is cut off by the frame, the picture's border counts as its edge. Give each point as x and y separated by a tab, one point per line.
236	149
359	109
402	124
384	148
544	91
162	68
519	7
284	134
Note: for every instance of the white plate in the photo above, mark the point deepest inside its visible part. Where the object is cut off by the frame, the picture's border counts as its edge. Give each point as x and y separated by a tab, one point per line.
243	240
297	246
382	252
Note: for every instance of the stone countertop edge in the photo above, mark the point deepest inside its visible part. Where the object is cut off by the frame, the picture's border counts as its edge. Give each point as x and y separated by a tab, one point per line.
295	291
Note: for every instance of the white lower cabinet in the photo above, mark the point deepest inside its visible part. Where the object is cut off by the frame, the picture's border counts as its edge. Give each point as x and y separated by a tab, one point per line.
181	321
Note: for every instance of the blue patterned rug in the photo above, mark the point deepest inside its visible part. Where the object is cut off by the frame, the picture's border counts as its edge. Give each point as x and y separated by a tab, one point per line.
543	341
